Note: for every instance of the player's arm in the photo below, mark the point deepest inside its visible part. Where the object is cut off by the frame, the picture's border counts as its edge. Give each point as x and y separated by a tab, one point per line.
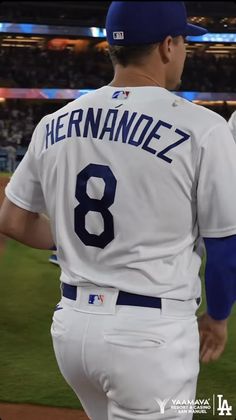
29	228
220	281
21	215
216	201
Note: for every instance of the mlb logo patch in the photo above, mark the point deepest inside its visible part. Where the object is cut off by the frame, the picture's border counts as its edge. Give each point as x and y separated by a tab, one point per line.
118	35
121	94
96	300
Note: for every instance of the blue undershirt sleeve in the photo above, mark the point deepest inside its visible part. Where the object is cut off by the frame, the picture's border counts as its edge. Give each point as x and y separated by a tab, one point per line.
220	276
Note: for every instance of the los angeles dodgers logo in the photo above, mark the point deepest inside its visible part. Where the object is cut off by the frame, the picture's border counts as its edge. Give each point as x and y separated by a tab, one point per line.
224	408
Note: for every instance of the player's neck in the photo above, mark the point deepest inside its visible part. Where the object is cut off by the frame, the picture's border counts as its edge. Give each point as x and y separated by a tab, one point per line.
135	77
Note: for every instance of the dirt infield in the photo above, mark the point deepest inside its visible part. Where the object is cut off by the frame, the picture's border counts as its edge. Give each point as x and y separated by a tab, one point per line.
34	412
27	411
3	182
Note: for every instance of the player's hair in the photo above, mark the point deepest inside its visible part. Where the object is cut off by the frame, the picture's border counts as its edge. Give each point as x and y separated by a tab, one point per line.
131	54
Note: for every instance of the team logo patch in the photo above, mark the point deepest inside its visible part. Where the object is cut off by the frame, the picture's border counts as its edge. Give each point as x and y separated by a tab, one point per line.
96	300
121	94
118	35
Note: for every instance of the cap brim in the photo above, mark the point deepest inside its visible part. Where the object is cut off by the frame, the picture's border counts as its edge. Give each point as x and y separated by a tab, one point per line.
195	30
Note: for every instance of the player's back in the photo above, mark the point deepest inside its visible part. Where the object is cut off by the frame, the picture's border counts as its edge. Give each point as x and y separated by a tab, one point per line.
118	171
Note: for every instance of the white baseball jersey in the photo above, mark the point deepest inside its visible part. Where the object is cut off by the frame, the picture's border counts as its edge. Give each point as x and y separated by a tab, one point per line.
232	124
130	179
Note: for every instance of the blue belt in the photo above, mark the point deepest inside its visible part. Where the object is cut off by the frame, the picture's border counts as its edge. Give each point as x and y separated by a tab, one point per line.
124	298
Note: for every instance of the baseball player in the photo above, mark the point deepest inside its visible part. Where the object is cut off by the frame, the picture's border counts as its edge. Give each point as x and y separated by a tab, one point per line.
232	124
131	177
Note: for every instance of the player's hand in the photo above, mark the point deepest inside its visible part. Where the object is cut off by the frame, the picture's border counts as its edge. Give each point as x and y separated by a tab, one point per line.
213	337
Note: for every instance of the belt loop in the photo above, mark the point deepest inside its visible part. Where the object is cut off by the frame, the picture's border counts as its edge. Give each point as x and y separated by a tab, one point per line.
164	310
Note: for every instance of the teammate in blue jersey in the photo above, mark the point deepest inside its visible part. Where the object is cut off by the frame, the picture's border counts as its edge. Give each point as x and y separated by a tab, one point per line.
132	177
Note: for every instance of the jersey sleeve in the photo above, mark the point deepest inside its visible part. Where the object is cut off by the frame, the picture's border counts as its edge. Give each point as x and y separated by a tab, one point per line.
232	125
220	276
24	188
216	190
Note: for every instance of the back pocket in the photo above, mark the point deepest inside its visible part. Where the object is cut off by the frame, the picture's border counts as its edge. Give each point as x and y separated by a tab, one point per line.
134	339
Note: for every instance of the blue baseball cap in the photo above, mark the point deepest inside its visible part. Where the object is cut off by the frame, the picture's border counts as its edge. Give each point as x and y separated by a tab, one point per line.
147	22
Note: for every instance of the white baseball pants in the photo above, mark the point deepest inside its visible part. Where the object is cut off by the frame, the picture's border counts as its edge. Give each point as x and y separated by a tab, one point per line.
126	362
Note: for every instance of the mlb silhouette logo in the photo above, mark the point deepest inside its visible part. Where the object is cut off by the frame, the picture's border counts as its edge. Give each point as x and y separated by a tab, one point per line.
96	300
118	35
121	94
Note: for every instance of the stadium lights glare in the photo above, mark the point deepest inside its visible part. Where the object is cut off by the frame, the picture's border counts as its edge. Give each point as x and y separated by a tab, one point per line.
95	32
27	93
213	37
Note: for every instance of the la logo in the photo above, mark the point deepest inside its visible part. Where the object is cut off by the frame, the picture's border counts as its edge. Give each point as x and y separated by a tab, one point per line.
223	407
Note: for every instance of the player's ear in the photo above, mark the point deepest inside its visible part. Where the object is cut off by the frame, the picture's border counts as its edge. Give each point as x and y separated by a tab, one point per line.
166	48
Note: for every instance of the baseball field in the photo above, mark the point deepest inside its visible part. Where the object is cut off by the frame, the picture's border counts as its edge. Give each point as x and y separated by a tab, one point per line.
28	370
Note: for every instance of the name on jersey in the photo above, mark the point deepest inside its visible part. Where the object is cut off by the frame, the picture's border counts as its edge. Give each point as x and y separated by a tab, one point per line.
115	125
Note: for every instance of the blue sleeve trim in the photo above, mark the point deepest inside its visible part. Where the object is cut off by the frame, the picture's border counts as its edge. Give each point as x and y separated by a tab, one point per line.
220	276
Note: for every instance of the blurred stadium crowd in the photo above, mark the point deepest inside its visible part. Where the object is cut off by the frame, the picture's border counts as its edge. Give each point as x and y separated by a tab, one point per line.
66	69
18	119
92	69
53	69
209	73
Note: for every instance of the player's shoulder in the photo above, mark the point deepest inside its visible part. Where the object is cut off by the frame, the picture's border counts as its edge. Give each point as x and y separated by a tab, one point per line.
197	114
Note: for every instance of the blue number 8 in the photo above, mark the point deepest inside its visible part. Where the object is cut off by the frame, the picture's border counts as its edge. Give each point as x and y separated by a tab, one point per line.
91	204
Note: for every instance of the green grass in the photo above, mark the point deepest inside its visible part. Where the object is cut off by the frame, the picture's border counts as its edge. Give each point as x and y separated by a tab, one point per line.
4	174
28	369
29	292
220	377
